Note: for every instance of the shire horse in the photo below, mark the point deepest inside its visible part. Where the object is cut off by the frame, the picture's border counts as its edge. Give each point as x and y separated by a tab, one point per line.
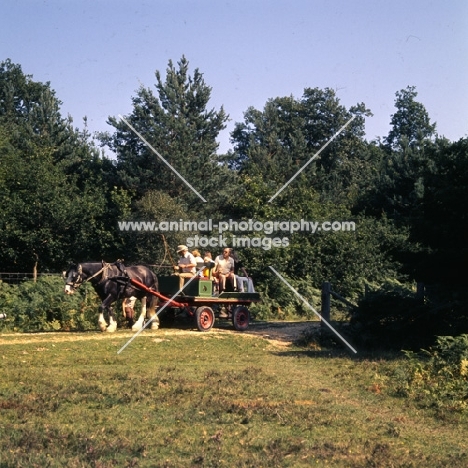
112	282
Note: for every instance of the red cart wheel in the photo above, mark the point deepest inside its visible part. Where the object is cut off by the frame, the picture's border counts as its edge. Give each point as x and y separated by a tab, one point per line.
241	318
205	318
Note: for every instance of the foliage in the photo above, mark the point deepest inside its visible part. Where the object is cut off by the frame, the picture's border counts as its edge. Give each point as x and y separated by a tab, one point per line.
53	183
388	318
62	200
443	221
398	182
288	134
179	126
438	377
154	247
43	306
348	259
280	303
411	123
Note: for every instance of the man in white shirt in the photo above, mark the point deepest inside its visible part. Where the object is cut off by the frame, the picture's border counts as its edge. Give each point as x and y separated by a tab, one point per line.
224	269
186	264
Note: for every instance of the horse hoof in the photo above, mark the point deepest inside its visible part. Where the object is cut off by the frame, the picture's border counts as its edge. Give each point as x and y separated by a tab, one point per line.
155	326
111	328
102	326
137	327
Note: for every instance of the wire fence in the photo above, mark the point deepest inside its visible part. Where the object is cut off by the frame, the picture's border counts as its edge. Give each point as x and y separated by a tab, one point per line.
19	277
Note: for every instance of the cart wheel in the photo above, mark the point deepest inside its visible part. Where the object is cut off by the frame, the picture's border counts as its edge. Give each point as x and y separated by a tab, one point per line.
241	318
205	318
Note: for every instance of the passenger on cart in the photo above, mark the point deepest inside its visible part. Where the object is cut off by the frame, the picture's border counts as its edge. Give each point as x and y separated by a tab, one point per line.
224	271
209	263
186	265
198	259
243	282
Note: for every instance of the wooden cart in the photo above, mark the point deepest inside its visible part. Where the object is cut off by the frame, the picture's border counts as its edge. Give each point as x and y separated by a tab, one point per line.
197	301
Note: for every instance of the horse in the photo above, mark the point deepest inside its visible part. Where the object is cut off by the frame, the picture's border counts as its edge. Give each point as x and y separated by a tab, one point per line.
112	282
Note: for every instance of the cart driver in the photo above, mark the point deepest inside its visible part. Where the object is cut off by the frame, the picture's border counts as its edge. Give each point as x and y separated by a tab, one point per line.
186	265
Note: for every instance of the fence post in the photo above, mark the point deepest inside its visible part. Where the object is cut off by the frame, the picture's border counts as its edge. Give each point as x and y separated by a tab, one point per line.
326	300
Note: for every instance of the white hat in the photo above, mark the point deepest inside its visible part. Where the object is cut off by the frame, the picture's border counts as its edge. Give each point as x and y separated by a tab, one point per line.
181	248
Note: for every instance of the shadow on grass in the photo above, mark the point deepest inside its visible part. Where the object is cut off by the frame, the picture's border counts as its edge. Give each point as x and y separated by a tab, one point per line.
307	339
321	342
341	353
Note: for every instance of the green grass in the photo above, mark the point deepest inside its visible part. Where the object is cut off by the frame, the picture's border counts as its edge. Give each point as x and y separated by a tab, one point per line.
208	400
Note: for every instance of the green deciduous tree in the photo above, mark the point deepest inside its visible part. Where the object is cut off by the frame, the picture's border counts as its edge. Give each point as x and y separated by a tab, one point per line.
398	184
155	247
442	223
277	142
54	185
411	125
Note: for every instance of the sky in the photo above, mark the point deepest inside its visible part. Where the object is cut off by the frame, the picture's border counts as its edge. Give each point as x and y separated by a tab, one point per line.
96	54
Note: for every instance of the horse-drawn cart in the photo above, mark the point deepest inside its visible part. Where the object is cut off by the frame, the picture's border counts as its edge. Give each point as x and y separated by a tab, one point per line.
197	301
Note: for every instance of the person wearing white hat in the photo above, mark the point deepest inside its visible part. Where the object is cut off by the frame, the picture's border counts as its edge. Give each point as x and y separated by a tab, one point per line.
186	265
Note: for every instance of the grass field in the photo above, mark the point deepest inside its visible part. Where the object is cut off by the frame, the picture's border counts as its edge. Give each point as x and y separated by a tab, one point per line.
216	399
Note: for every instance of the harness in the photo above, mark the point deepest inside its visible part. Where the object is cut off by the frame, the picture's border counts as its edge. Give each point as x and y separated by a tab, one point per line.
122	280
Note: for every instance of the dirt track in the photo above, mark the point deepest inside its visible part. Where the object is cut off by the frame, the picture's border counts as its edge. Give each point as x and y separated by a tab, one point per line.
278	333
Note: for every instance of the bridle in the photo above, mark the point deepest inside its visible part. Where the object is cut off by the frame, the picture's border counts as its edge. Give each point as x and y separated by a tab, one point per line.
79	278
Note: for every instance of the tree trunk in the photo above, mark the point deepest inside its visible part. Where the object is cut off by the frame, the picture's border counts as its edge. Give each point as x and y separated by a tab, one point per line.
35	269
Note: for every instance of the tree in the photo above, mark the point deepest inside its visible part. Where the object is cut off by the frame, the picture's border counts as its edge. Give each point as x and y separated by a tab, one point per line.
411	125
54	185
277	142
442	224
398	185
156	248
178	124
30	113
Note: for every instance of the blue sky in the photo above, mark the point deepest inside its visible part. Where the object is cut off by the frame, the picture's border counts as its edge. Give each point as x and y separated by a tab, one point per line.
97	53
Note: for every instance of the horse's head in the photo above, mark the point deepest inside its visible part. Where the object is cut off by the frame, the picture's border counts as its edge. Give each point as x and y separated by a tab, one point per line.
73	278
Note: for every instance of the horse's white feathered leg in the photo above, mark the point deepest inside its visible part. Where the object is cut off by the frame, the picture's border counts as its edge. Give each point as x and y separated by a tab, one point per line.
155	323
138	325
102	322
151	314
112	325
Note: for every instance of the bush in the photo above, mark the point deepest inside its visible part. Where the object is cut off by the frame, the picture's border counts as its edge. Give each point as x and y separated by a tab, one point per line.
280	303
437	377
42	306
394	318
388	318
